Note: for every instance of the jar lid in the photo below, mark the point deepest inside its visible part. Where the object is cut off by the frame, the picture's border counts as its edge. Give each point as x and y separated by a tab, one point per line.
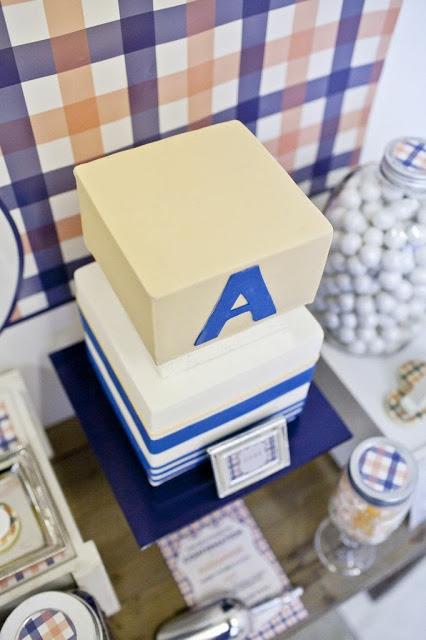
383	472
49	615
404	163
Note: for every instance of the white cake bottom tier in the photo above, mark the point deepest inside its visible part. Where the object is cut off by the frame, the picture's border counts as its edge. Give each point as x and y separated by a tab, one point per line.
172	418
176	453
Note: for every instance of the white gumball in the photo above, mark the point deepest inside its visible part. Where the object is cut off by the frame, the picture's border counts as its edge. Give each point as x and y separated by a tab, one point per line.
328	269
404	290
366	334
420	256
417	308
337	261
389	280
417	235
355	266
391	260
374	286
403	209
370	255
358	347
421	215
354	221
391	193
349	198
363	284
383	220
335	215
418	276
401	312
407	261
395	238
369	209
384	302
377	345
368	321
368	171
350	243
346	301
335	241
373	237
331	320
349	320
421	291
320	304
386	320
344	282
391	334
331	286
370	191
346	335
333	304
365	305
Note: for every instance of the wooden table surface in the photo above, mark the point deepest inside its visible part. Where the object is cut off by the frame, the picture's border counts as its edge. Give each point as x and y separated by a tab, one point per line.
287	510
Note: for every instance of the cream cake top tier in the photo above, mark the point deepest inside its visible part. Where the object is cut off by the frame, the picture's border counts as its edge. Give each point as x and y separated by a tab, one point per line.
201	235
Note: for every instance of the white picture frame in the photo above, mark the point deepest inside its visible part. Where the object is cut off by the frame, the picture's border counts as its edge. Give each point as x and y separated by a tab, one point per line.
251	456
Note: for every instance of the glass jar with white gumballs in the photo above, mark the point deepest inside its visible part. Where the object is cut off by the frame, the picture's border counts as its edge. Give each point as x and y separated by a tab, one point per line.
372	298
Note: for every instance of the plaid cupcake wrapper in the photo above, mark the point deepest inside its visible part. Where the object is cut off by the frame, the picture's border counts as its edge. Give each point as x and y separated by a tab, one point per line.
82	79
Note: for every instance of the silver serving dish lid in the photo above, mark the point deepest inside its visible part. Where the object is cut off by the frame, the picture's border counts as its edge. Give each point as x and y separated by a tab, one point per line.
221	620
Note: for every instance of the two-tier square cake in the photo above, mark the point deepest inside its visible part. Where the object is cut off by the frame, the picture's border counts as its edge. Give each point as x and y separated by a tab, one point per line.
206	253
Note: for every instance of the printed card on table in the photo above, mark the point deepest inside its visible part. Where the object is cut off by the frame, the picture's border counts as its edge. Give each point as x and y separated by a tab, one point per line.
225	553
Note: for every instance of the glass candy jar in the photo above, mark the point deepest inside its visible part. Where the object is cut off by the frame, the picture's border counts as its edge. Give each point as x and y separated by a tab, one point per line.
370	502
372	298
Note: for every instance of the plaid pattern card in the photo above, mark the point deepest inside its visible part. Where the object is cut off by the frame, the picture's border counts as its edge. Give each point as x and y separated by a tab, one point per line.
226	553
86	78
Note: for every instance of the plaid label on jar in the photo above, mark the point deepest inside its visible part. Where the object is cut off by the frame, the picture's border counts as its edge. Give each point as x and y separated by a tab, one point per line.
49	624
382	468
412	153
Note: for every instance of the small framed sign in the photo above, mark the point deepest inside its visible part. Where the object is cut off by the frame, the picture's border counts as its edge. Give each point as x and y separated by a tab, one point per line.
251	456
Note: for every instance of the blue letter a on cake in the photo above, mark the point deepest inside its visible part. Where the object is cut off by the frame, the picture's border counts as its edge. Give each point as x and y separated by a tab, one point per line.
248	285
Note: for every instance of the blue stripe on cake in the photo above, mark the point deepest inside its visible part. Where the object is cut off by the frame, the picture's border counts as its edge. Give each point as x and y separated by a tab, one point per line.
206	424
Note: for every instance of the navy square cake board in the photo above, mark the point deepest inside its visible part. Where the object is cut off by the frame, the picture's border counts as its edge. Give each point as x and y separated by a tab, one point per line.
153	512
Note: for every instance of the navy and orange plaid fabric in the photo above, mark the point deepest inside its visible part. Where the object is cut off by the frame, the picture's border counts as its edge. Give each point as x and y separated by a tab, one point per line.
82	78
383	468
48	624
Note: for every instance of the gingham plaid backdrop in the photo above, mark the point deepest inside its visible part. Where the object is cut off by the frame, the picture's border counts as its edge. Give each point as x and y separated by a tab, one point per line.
82	78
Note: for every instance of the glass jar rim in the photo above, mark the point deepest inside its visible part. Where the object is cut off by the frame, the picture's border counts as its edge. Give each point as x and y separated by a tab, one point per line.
402	163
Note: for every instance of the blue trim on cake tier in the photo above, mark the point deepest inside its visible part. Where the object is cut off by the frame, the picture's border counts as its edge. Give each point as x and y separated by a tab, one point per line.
206	424
179	465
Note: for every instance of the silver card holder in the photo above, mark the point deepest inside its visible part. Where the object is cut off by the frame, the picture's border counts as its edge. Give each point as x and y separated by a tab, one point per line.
253	455
41	532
